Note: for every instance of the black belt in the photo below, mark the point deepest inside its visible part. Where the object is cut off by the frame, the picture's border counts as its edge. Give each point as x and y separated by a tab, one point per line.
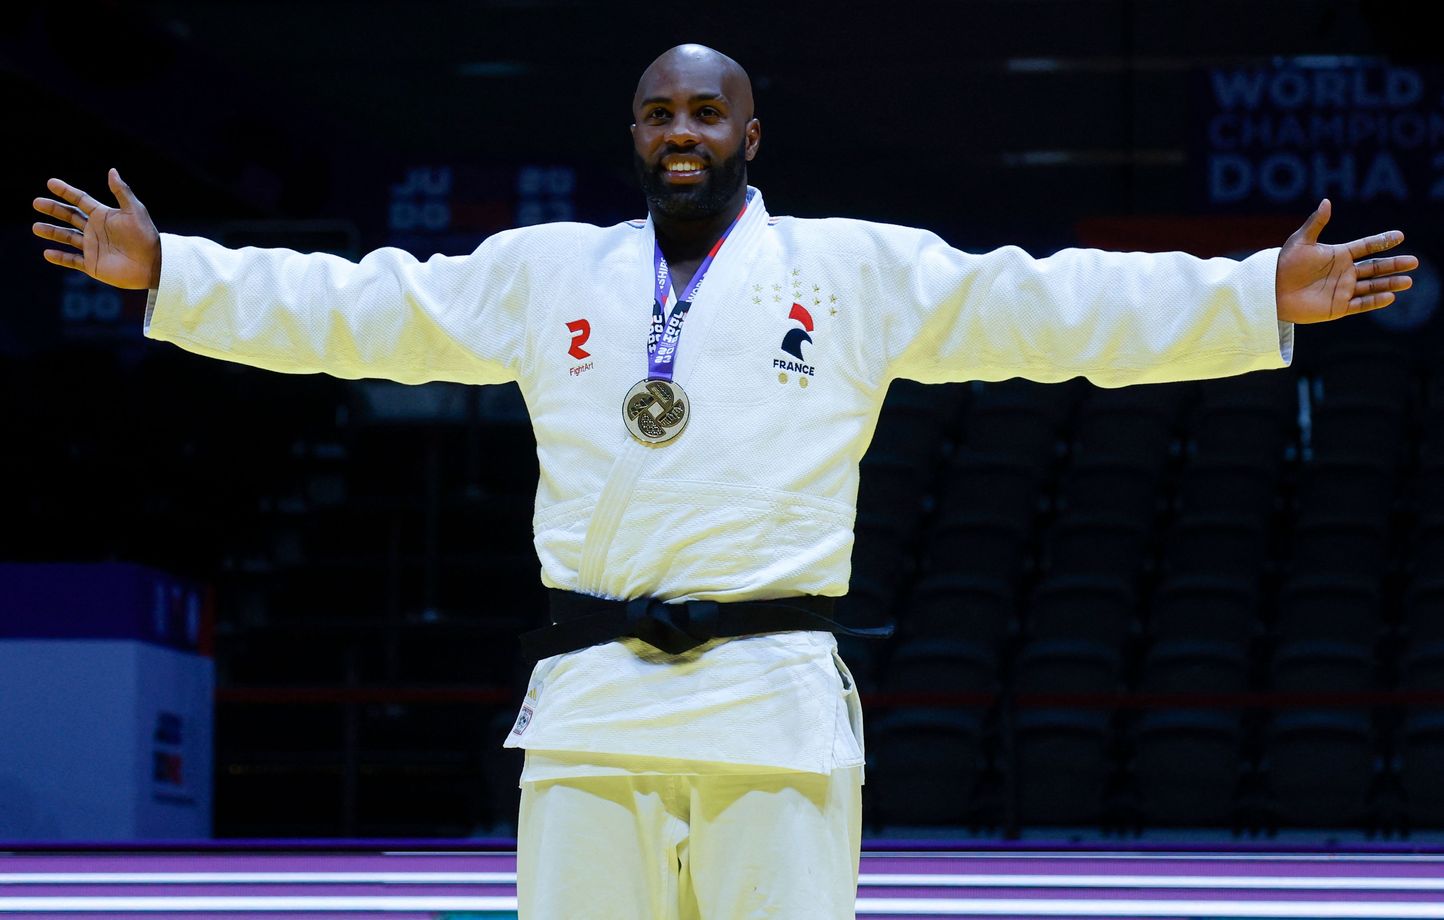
580	620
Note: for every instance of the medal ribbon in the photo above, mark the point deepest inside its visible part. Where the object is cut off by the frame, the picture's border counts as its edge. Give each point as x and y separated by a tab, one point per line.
666	334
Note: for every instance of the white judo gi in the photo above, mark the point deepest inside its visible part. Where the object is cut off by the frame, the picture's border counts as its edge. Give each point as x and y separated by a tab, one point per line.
787	353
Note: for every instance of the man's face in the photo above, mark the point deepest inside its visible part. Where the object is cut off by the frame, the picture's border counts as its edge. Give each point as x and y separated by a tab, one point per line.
692	138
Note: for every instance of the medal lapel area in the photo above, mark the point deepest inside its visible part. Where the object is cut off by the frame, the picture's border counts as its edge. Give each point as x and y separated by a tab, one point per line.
724	284
656	409
724	287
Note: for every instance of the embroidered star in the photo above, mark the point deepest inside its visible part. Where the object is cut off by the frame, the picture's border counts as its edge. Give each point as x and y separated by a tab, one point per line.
834	311
796	272
816	288
757	288
777	287
816	301
832	299
759	300
777	298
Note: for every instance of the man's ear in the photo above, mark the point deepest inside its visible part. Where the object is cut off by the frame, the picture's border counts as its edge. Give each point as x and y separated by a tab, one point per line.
754	138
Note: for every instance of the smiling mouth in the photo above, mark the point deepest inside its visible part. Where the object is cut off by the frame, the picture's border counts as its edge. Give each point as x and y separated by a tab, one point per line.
683	167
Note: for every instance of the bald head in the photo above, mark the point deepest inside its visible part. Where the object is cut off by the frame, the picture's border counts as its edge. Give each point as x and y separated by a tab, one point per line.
693	134
700	67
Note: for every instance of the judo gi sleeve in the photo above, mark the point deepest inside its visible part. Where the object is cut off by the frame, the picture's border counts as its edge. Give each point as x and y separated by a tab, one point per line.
391	316
1116	318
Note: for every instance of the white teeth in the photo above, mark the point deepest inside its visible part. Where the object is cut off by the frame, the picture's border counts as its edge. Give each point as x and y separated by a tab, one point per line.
684	167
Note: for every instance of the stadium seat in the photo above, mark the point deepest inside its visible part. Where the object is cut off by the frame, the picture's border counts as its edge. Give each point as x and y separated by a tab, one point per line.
893	486
1203	606
1096	543
911	423
1419	753
1224	484
1063	765
1421	666
1064	666
1186	767
1194	666
975	608
1298	745
989	485
1217	543
1248	417
1135	423
977	545
1374	370
1020	418
1359	486
1423	619
1330	606
1327	543
1323	666
940	666
1347	426
924	766
1424	548
1425	490
1108	484
1097	607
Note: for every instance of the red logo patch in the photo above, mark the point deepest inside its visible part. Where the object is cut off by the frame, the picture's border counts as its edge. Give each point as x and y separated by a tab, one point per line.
581	330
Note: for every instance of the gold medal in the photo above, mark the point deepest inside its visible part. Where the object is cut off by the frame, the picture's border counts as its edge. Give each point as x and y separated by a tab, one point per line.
655	411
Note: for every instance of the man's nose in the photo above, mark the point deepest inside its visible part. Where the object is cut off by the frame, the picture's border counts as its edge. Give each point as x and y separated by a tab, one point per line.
681	131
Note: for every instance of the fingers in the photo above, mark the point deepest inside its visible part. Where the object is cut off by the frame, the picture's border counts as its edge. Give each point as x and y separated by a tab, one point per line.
73	195
1376	243
1309	232
1379	285
122	192
60	235
1370	302
1371	293
69	259
73	216
1372	267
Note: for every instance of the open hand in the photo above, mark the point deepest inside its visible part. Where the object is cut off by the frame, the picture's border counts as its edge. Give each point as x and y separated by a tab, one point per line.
119	246
1316	282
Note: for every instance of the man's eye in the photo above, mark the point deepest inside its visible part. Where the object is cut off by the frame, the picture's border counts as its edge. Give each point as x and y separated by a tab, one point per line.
708	112
657	113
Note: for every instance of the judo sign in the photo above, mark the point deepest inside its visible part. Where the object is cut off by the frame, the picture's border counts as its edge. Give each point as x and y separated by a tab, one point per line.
655	411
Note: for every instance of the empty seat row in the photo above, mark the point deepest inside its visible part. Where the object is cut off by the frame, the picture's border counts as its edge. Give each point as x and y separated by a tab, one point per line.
1172	767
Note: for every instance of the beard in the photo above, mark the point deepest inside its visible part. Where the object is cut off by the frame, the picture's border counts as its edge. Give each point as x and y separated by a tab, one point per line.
690	202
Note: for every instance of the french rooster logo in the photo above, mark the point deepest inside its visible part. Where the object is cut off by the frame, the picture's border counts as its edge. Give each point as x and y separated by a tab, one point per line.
792	341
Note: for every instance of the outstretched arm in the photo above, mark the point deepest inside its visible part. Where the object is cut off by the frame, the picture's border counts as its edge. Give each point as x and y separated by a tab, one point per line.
1118	318
1317	282
457	318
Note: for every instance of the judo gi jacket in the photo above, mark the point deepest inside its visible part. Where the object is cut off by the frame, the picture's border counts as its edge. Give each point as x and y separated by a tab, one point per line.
786	353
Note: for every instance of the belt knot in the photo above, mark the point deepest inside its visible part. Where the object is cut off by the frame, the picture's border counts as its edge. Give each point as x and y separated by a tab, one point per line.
673	628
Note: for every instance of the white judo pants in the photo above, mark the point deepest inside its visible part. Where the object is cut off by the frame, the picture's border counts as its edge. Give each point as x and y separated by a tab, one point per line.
690	847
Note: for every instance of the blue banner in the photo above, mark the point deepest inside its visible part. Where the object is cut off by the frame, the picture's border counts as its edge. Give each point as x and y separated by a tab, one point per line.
1354	130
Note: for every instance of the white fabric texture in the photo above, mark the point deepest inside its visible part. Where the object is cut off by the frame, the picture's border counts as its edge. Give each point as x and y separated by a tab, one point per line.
757	497
690	847
798	697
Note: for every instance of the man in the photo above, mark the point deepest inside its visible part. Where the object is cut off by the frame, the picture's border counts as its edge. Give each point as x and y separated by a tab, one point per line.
702	386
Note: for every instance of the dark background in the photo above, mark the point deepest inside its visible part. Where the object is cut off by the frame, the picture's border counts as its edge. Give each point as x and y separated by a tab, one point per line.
366	536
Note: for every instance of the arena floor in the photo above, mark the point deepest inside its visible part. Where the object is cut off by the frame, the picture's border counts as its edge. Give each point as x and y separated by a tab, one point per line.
417	884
